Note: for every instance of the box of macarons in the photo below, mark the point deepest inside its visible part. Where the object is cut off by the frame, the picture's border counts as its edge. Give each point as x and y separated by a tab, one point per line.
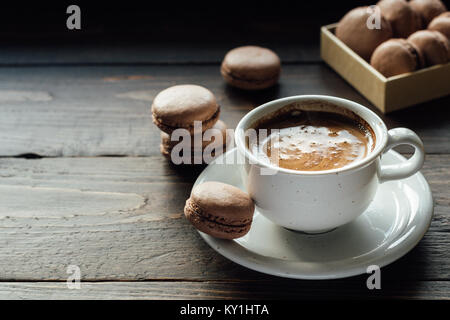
392	51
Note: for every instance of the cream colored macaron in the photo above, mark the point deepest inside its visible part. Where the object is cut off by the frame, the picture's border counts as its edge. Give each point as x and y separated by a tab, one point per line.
179	106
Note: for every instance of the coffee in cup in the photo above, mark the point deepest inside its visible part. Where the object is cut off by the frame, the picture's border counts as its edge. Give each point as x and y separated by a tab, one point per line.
312	136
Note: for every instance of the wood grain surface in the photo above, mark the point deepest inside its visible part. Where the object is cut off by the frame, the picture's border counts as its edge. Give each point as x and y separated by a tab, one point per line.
94	111
122	219
82	182
211	290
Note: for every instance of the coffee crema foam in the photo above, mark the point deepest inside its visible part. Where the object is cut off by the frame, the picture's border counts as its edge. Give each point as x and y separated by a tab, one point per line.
306	140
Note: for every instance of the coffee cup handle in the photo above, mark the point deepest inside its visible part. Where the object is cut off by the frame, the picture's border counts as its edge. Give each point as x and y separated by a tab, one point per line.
406	168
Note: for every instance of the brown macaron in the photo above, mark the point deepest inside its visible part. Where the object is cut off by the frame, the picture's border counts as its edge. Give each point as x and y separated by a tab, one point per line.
396	56
353	31
403	19
427	10
442	24
220	210
179	106
214	146
251	68
432	45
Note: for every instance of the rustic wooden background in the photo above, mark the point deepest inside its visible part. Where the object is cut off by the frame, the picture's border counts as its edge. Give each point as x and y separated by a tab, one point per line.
82	181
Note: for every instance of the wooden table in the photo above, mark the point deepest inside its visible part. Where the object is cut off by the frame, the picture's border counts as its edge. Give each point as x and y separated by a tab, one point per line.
82	181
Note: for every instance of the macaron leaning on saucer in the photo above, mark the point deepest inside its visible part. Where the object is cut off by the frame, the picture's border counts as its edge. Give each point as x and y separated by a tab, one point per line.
403	19
396	56
220	210
251	68
427	10
432	45
179	106
353	31
442	24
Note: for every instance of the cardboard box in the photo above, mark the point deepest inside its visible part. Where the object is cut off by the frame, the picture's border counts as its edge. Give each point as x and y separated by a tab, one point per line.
388	94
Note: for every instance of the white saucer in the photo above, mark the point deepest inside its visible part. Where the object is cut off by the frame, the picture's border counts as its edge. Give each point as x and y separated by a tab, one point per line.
392	225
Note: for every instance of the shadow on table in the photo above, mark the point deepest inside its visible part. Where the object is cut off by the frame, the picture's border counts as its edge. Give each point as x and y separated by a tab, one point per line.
403	279
431	121
187	173
429	115
253	98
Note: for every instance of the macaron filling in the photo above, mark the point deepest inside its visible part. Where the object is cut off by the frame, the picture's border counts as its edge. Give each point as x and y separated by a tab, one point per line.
248	80
432	45
415	54
220	210
206	124
193	209
167	147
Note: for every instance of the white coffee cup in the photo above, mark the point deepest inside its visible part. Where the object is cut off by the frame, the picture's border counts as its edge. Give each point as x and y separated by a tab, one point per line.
319	201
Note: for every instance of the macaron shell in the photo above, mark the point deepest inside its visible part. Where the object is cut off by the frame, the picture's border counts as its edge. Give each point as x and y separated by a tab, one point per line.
433	46
353	31
213	228
179	106
394	57
427	9
442	24
403	19
251	67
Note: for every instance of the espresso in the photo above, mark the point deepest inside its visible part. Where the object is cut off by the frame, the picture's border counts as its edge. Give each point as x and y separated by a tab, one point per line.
310	140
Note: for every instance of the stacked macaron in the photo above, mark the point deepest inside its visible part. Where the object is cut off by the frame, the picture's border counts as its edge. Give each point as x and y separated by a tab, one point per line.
396	43
186	114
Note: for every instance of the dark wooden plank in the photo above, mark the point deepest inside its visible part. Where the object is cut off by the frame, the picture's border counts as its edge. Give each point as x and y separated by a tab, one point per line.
93	111
121	219
147	53
256	290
